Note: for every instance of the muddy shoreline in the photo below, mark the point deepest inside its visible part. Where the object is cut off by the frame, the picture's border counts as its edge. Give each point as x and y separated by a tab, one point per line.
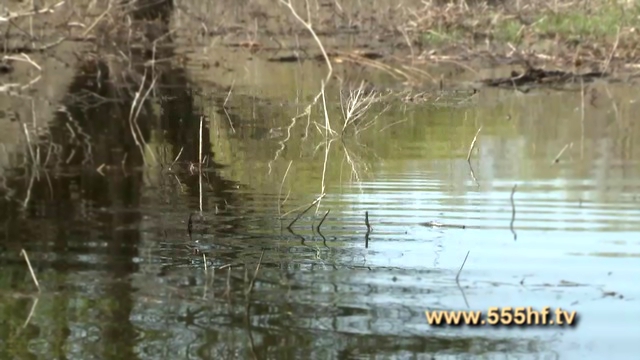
398	39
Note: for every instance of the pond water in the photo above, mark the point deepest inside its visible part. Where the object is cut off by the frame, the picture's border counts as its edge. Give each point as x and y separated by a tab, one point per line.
122	276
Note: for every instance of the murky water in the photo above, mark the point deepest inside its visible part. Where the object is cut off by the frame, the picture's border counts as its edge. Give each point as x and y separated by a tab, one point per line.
121	277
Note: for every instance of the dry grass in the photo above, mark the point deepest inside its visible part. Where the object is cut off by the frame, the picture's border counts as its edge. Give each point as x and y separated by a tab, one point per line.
568	32
406	37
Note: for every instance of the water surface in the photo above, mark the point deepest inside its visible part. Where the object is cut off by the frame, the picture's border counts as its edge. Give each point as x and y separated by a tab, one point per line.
122	277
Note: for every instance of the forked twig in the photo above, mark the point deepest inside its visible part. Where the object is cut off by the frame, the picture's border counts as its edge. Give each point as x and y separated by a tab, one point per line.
356	105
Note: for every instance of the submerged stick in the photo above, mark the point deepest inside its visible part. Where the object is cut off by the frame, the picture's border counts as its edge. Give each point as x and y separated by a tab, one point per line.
366	221
31	312
123	163
200	142
462	266
23	253
322	221
473	175
227	290
134	113
208	282
557	159
200	164
513	213
204	260
255	275
436	224
582	117
464	296
471	147
366	235
305	210
302	240
473	144
280	204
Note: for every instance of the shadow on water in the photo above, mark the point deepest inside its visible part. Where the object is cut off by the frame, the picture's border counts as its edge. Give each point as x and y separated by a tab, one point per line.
82	227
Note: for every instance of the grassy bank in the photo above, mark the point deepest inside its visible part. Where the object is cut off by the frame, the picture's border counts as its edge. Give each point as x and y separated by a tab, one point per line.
571	32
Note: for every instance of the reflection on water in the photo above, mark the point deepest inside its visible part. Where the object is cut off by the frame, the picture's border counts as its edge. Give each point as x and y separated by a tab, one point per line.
123	278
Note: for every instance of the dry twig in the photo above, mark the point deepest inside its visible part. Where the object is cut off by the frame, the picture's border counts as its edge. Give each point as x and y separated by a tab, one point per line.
307	111
280	204
462	266
557	158
23	253
305	210
473	144
322	221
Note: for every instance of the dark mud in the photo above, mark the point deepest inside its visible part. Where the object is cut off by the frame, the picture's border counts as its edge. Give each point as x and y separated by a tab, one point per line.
554	79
